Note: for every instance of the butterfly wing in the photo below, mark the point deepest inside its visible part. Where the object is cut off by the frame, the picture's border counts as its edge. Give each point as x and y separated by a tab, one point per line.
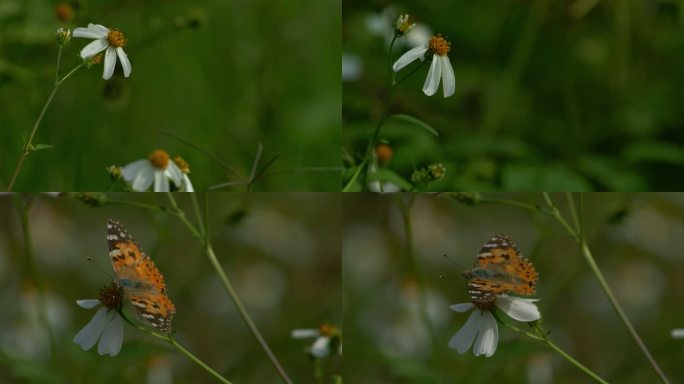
500	268
140	279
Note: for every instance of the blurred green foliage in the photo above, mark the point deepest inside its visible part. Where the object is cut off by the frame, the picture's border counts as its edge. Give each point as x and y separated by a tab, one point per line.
282	259
546	99
224	75
636	240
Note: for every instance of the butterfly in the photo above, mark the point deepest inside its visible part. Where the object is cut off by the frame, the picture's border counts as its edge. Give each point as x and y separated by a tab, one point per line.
500	267
142	283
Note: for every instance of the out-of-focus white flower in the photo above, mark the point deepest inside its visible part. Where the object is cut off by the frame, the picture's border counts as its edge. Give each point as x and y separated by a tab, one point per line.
328	340
157	169
111	40
440	69
106	326
352	67
481	331
377	186
678	333
420	33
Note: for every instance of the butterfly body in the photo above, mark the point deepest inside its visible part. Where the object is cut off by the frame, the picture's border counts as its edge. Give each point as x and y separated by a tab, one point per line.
141	281
500	268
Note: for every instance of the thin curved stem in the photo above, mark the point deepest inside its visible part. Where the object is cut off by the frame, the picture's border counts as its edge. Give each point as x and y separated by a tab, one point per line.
580	238
28	147
172	341
541	337
367	157
229	288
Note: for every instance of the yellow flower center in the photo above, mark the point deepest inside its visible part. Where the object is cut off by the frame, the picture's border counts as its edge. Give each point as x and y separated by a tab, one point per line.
439	46
159	159
116	38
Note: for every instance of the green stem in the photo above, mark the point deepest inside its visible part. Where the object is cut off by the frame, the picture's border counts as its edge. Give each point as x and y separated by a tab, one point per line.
555	212
28	147
580	238
405	209
229	288
620	312
541	337
368	155
59	58
179	347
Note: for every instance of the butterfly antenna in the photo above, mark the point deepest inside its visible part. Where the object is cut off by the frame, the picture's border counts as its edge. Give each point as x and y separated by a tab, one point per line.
108	274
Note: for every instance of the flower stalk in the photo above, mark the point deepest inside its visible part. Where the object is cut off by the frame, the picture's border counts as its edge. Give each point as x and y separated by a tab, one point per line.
29	147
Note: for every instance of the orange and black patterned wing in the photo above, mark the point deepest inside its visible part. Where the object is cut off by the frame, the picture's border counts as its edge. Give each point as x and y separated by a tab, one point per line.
142	283
500	268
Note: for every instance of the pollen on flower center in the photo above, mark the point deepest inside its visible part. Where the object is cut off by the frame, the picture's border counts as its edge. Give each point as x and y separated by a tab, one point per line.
111	296
159	159
484	306
439	45
116	38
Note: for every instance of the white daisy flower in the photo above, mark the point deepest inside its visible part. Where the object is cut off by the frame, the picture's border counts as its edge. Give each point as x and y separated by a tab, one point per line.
327	339
111	40
481	328
106	326
440	69
157	169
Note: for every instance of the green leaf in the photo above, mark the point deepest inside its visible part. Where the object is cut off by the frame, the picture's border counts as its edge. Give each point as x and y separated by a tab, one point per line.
414	121
38	147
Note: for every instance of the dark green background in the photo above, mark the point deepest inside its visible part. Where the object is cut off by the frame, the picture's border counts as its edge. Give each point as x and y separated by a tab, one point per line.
544	101
252	71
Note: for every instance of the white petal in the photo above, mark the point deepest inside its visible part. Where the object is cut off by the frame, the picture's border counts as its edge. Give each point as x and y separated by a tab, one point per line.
109	63
432	81
93	31
321	347
465	336
161	182
517	308
87	304
678	333
448	78
112	336
93	48
98	28
463	307
409	57
487	336
87	337
125	63
305	333
187	185
174	173
139	174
